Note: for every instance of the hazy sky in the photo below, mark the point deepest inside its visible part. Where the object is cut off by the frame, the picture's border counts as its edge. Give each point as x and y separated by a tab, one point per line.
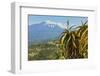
73	20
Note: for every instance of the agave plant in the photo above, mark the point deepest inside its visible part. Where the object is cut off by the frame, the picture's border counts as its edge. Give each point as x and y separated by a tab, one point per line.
82	33
74	43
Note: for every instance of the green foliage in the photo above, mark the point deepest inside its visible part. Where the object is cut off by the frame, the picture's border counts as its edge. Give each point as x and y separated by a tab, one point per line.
42	51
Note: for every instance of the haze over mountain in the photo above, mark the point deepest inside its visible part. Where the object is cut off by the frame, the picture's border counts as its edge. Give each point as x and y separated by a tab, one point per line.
46	30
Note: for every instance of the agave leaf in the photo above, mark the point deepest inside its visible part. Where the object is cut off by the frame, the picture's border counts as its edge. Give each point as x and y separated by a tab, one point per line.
74	44
85	22
73	35
84	32
71	27
63	38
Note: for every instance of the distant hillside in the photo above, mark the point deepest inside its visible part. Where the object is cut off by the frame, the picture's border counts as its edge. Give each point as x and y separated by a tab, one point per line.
43	31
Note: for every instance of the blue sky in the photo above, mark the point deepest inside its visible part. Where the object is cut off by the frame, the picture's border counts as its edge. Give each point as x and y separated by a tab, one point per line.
73	20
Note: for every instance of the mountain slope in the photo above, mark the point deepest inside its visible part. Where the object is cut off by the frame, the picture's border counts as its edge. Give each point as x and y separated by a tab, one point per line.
43	31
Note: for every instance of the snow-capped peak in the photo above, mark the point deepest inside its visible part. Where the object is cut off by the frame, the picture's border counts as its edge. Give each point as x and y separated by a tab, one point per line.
53	24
